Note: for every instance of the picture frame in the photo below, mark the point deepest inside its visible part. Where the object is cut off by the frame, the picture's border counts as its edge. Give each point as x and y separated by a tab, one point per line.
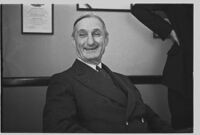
37	18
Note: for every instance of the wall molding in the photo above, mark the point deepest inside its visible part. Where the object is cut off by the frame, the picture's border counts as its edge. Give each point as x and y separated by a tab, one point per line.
43	81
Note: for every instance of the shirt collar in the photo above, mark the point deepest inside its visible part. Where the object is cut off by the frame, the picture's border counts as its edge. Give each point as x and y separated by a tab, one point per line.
91	65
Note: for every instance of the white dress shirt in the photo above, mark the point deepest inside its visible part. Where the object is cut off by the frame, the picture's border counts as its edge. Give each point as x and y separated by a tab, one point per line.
91	65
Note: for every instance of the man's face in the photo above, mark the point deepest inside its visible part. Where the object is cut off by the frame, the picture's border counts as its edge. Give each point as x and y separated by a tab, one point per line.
90	40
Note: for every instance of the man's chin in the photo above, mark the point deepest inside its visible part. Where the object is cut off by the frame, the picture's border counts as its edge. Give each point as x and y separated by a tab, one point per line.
93	60
92	54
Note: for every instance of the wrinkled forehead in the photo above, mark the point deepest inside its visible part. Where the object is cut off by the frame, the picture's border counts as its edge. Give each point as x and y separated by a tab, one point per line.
89	24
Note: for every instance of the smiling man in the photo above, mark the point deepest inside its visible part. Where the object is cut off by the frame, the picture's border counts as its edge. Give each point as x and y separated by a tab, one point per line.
89	97
91	38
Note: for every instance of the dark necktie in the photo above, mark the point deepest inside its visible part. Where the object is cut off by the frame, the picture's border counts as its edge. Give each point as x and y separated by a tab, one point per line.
98	68
102	72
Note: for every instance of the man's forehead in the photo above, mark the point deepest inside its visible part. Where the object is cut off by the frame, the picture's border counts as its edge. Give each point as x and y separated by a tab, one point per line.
89	23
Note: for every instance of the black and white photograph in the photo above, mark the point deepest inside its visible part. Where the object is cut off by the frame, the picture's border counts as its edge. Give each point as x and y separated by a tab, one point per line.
99	68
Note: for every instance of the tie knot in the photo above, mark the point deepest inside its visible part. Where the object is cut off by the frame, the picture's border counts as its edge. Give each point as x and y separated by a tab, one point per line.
98	68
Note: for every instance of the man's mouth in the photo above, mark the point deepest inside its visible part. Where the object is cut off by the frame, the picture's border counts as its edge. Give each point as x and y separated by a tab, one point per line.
91	48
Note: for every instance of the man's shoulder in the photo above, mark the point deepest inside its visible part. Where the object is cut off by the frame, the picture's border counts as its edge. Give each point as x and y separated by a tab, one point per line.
121	75
63	74
125	78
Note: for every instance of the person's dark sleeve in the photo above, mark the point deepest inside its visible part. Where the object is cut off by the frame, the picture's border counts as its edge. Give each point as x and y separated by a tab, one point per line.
156	123
144	13
60	113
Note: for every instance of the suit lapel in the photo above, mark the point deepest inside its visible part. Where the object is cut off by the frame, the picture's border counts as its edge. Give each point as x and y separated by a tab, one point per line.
132	95
90	78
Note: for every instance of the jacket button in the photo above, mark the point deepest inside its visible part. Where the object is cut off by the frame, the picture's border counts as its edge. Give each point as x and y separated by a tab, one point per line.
126	123
142	120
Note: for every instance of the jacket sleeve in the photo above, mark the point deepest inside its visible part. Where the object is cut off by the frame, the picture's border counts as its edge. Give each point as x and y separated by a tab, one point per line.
60	113
156	123
144	13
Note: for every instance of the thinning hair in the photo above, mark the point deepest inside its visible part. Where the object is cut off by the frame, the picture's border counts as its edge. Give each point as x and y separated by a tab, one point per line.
89	16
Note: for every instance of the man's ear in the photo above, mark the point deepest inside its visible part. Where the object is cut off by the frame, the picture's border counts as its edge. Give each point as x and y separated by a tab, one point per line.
106	40
73	42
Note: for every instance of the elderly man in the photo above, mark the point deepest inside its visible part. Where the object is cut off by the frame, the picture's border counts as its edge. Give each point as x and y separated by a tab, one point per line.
89	97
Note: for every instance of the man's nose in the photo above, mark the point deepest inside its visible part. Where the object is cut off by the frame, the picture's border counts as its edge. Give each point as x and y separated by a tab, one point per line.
90	40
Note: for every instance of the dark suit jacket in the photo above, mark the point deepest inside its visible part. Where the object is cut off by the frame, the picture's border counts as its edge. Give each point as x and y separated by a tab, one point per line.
178	71
79	100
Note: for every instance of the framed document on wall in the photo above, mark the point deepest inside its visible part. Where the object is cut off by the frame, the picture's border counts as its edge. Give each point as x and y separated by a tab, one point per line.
37	18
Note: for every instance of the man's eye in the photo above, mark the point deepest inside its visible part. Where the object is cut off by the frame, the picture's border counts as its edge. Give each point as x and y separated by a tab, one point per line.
82	34
97	34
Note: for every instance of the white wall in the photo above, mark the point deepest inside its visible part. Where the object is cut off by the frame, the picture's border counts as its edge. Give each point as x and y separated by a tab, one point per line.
131	51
